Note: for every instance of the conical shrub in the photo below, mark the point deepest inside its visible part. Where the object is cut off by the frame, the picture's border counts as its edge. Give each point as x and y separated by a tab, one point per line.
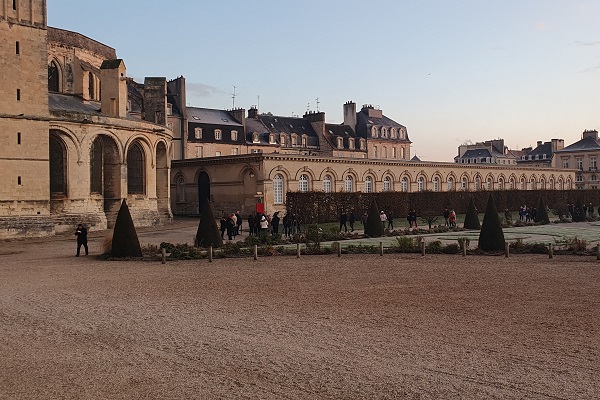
578	214
491	237
208	232
374	226
471	218
125	242
541	215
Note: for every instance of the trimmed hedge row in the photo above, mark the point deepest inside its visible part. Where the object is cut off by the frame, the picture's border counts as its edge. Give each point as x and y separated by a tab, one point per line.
326	207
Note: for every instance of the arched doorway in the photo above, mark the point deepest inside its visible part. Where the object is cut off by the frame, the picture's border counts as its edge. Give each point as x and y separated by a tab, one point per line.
162	181
58	173
203	190
105	176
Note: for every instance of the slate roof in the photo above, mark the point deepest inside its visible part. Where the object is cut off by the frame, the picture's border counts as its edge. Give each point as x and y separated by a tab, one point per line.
415	159
363	118
588	143
211	116
340	130
63	102
265	124
477	153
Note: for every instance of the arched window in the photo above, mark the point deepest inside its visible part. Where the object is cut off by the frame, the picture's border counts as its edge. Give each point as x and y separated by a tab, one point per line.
53	79
402	153
327	184
542	184
404	184
368	184
488	184
450	184
436	184
349	183
464	183
58	166
278	189
477	182
374	132
511	184
180	190
533	185
522	186
387	184
500	184
303	183
551	184
136	174
420	184
96	162
569	184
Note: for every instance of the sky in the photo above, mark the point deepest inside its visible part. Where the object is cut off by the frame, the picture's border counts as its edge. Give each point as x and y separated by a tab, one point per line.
450	71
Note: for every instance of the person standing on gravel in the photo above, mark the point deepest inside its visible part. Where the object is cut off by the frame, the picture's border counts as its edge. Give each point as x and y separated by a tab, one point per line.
81	234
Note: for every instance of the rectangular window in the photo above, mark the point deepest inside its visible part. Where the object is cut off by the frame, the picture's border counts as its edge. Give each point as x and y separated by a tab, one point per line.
18	94
593	164
19	180
198	133
218	134
565	163
18	137
340	143
234	151
351	144
14	5
217	154
198	151
169	109
394	153
18	48
579	164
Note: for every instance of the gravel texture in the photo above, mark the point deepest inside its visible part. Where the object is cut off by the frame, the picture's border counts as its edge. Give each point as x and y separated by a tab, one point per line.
321	327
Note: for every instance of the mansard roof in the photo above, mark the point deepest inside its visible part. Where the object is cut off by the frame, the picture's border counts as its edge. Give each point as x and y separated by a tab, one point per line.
340	130
362	118
211	116
477	153
265	123
586	144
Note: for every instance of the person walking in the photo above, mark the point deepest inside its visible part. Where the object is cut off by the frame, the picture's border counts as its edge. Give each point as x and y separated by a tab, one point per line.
447	217
390	220
352	220
343	220
223	225
81	233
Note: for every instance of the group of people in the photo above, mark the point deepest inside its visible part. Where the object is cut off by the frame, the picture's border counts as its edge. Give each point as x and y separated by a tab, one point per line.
527	214
411	218
586	210
232	224
266	224
347	218
450	218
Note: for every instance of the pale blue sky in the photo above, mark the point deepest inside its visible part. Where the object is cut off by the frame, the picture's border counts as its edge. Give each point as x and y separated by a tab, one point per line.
450	71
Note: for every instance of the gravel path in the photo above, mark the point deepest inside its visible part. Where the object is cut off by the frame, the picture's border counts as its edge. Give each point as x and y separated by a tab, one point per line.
322	327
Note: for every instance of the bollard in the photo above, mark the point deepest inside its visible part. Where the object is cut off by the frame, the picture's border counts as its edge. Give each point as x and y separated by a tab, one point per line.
423	248
297	250
381	248
464	249
255	252
339	249
163	252
550	251
507	250
210	254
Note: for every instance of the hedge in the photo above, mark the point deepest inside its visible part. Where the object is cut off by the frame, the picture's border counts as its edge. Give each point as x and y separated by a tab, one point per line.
325	207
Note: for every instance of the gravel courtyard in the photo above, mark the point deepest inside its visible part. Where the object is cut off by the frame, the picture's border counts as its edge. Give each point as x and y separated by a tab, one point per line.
322	327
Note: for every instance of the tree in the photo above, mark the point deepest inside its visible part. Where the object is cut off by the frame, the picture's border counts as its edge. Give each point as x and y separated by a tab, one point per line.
125	242
208	232
374	226
541	215
491	236
471	218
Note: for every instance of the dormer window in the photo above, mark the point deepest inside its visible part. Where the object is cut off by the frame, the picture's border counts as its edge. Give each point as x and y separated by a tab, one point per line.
363	144
384	132
282	139
218	134
271	139
198	133
351	144
374	132
255	138
304	141
294	140
393	133
234	136
340	143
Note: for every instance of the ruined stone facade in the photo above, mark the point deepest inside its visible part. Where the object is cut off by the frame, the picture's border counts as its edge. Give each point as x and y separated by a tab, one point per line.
69	150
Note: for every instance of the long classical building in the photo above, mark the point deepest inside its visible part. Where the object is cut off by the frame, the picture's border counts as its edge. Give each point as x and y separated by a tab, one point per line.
71	149
238	182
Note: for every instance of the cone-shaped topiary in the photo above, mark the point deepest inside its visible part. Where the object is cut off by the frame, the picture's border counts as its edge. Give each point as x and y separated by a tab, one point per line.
471	218
208	232
374	226
541	215
125	242
491	237
578	214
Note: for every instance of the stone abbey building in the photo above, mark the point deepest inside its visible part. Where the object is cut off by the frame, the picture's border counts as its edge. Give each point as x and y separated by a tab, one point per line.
71	146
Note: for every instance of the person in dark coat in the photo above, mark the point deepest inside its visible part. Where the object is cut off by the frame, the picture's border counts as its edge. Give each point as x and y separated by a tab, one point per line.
343	220
352	220
275	223
81	234
257	218
223	225
250	224
287	225
390	220
230	227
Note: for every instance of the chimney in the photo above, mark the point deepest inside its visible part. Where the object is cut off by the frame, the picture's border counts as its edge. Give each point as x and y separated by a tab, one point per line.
539	143
155	101
591	133
350	114
371	111
315	116
240	115
557	144
113	88
253	112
